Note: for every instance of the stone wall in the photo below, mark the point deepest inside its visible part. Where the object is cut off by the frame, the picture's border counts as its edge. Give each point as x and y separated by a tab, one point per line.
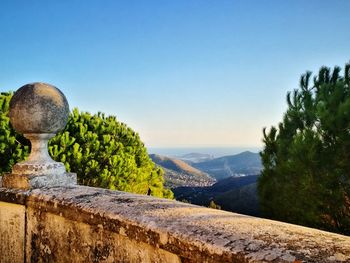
85	224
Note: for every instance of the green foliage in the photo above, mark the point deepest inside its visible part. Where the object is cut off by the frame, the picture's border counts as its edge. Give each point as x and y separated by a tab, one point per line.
102	151
306	175
213	205
13	147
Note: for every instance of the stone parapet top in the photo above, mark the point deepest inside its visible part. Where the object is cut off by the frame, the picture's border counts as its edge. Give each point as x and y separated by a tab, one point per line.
194	233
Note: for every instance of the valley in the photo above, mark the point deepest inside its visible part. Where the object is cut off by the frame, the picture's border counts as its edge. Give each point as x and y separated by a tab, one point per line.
178	173
230	181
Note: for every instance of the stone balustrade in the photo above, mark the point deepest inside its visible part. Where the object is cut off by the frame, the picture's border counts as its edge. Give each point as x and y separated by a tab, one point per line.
85	224
46	217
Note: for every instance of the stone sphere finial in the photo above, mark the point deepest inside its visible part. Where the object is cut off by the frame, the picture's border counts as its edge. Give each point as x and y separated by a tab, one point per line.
38	111
38	108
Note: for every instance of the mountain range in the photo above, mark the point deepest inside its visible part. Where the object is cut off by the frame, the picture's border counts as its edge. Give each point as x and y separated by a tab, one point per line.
233	165
179	173
229	181
195	157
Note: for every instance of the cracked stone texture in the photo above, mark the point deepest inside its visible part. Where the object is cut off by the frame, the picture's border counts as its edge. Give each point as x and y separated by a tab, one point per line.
175	230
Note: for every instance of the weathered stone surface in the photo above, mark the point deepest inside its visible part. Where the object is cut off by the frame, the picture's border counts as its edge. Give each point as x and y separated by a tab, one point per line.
12	229
13	196
38	108
29	181
80	242
193	233
33	168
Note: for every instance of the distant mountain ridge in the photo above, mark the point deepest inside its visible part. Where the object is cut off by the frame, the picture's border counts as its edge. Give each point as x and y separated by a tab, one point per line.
236	175
180	173
195	157
233	165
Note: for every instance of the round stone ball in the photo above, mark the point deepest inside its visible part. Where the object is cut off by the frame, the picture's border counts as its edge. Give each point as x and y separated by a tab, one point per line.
38	108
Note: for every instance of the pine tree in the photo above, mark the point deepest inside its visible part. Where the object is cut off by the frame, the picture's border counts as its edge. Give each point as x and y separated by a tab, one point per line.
102	151
306	175
13	147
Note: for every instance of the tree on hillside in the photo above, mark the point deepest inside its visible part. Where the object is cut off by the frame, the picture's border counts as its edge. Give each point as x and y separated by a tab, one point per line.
102	151
213	205
306	159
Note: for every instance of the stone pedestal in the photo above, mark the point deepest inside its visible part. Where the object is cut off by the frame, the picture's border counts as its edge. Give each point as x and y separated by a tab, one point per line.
38	181
38	111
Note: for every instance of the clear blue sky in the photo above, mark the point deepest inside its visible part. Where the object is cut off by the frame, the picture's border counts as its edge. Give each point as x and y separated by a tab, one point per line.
179	72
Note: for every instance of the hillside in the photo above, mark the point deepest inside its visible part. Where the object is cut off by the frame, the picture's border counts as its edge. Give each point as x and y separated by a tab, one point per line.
236	194
233	165
242	200
179	173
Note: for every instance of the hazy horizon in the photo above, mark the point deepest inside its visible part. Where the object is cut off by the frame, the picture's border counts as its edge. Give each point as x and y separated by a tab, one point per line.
214	151
179	73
